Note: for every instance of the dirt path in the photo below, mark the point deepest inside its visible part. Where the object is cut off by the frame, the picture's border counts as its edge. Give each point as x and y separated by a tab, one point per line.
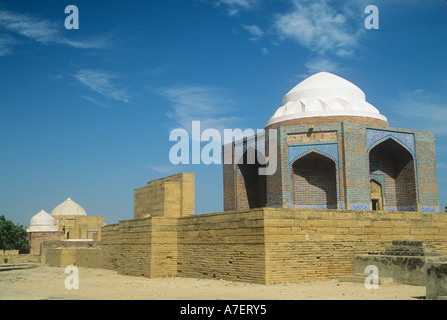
45	282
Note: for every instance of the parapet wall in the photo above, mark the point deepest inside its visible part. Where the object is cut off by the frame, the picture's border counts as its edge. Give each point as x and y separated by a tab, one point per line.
141	247
263	245
306	245
168	197
67	244
226	245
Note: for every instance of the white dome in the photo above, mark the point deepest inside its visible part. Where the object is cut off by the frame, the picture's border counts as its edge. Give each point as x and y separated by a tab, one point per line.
324	94
68	208
42	222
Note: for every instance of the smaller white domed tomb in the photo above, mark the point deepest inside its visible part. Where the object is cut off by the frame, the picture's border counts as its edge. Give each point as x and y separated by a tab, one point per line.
42	222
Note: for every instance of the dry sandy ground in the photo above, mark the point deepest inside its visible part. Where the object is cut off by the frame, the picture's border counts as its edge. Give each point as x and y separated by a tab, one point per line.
45	282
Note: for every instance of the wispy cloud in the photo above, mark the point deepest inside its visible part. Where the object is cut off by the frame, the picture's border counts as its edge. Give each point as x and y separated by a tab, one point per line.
235	6
103	83
95	101
319	27
6	42
421	110
329	30
256	32
321	64
42	31
208	105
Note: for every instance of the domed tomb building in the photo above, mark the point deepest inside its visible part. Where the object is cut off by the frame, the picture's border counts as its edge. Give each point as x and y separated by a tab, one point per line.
43	227
334	151
68	221
75	223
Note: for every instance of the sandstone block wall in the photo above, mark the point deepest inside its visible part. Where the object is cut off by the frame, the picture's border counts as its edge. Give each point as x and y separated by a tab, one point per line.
135	247
63	244
168	197
264	245
60	257
82	227
141	247
88	257
306	245
225	246
19	258
110	245
80	257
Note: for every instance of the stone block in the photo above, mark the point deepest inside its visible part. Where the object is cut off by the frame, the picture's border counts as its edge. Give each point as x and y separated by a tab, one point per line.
404	261
436	285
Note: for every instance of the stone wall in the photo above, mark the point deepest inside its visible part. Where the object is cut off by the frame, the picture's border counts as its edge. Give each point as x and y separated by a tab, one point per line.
141	247
81	227
110	245
81	257
223	245
264	245
19	258
168	197
37	238
306	245
67	244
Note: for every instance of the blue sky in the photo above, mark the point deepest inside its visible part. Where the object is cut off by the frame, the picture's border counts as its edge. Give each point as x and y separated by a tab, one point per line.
87	113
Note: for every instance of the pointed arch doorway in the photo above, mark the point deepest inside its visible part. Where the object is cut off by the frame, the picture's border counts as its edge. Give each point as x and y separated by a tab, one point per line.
376	195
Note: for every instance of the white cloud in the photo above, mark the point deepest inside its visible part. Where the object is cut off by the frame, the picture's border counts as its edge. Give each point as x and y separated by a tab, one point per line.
199	103
42	31
319	27
321	64
5	45
103	83
255	32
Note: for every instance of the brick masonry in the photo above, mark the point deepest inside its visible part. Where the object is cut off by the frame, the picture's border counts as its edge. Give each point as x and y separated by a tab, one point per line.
407	159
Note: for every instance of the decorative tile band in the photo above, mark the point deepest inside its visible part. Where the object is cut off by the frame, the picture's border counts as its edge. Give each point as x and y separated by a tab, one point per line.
334	206
359	206
373	137
428	208
405	208
330	150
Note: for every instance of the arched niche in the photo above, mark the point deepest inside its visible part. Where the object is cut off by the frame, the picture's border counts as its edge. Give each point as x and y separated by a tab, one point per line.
313	180
395	164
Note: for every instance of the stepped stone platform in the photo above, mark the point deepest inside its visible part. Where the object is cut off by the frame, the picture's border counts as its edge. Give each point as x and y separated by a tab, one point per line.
404	262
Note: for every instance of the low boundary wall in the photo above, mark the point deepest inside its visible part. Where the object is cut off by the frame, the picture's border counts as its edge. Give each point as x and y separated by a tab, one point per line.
262	245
